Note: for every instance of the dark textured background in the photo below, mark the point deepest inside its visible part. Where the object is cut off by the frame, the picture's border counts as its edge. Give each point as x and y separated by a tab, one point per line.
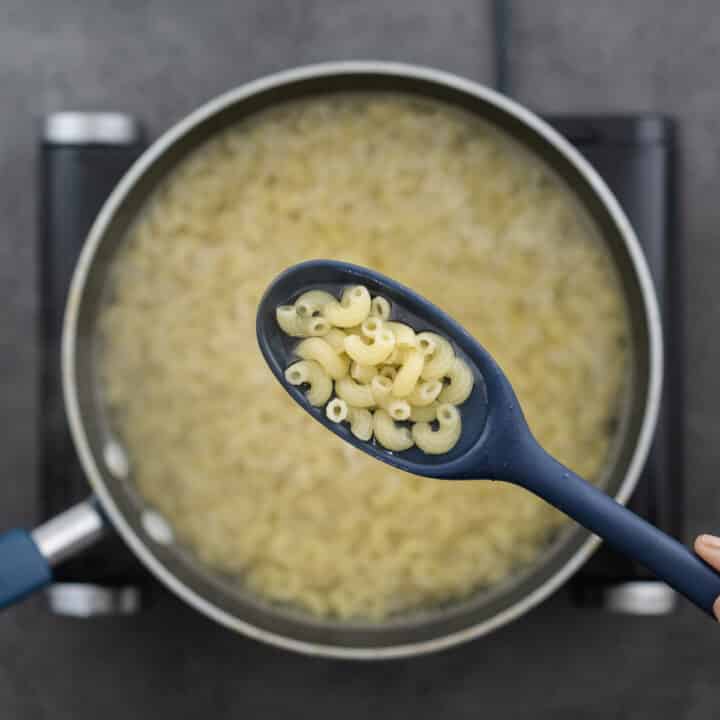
159	59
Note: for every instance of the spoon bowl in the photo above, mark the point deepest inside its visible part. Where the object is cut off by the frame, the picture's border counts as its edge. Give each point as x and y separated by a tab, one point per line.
495	442
491	388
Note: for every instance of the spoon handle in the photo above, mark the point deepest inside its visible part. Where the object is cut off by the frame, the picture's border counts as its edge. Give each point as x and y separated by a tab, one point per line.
621	528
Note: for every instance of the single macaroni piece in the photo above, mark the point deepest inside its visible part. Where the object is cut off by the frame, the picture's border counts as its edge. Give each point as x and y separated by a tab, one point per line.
295	326
461	383
441	358
361	423
409	373
391	436
428	413
437	442
380	307
381	388
395	357
425	393
337	410
426	344
312	302
336	339
287	319
404	335
371	327
336	366
398	409
351	310
312	373
354	393
362	373
373	353
314	326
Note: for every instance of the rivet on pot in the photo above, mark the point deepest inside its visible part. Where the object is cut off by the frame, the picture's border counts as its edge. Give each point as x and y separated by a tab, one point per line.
116	459
157	527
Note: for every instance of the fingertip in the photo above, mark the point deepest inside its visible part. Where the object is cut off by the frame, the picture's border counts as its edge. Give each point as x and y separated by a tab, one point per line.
707	543
716	608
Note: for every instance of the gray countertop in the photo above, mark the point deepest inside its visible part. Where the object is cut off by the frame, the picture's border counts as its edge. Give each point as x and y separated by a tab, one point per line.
159	59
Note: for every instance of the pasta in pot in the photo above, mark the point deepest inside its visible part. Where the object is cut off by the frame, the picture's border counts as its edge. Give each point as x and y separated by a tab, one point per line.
417	190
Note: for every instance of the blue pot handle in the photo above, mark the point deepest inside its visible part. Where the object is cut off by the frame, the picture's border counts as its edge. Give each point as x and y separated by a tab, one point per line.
26	559
23	568
621	528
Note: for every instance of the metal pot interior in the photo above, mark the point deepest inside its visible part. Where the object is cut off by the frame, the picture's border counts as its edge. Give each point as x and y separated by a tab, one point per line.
223	600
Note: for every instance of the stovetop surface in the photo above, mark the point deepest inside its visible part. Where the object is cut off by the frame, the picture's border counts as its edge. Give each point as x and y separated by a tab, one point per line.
160	62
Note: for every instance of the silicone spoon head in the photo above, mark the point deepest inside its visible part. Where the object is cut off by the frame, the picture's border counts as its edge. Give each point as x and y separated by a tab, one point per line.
492	419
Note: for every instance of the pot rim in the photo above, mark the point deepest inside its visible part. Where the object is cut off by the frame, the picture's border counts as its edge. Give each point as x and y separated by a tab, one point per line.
279	79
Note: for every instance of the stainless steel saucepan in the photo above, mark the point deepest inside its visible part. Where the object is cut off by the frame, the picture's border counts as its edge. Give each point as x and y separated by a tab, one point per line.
26	559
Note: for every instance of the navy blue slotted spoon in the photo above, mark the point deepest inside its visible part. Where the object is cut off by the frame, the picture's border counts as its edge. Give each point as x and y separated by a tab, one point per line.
496	442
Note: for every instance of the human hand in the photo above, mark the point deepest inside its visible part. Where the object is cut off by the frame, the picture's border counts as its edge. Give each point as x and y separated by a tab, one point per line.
708	548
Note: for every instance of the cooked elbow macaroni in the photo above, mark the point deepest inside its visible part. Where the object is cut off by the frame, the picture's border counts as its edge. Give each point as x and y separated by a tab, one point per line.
380	370
361	373
439	361
311	373
371	327
335	338
337	410
438	442
391	436
399	409
395	358
426	344
424	413
314	326
361	423
354	393
372	353
292	324
287	319
404	334
461	383
312	302
425	393
351	310
408	374
381	388
380	307
315	348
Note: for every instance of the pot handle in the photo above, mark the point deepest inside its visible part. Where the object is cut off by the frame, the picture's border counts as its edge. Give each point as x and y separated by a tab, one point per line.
27	558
